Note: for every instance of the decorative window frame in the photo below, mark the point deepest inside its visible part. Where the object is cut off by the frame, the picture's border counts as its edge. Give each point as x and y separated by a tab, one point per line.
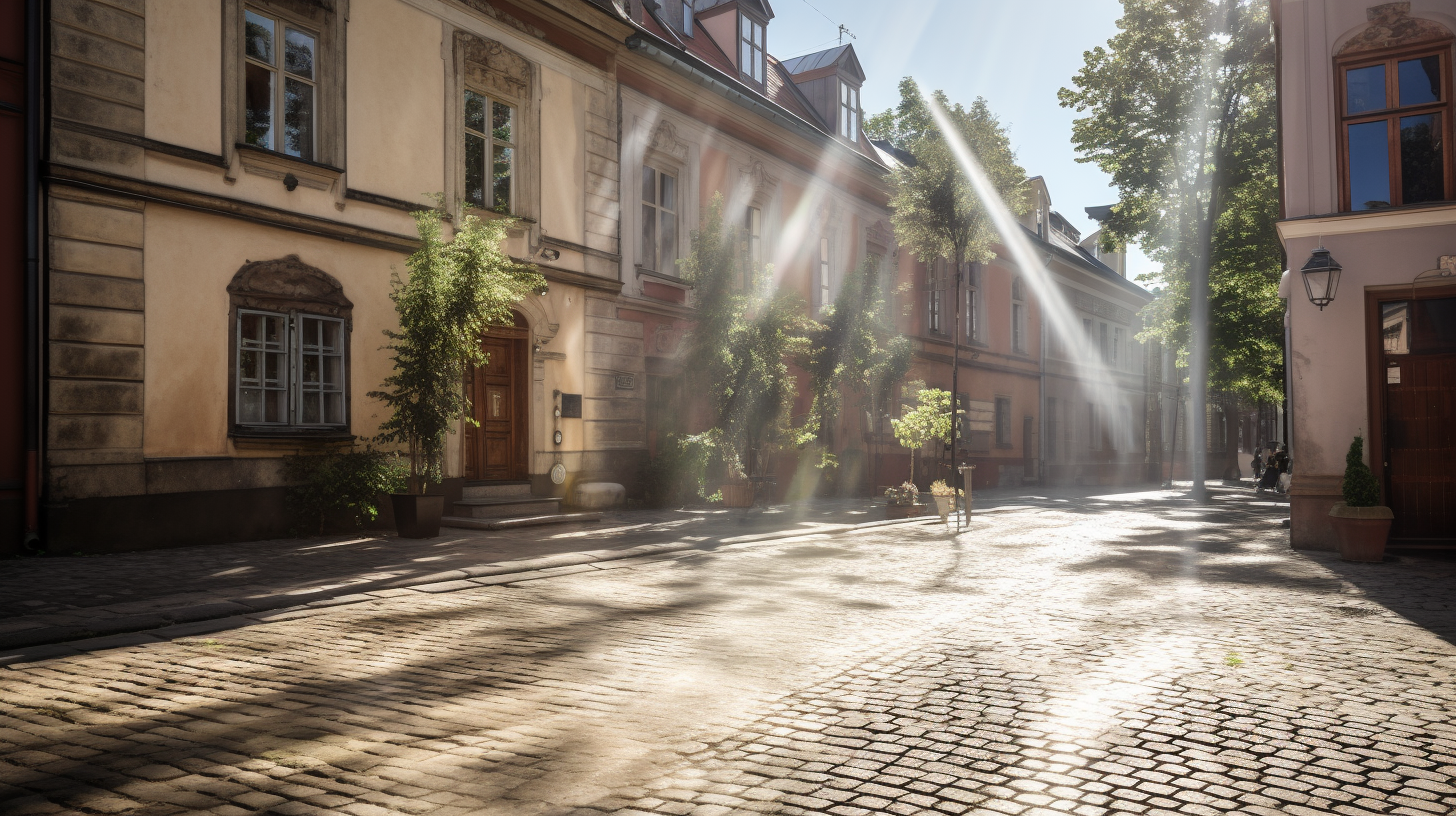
487	67
663	149
287	286
1349	59
328	21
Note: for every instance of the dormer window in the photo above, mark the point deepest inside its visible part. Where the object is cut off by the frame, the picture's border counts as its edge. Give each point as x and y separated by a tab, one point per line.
750	48
849	111
687	18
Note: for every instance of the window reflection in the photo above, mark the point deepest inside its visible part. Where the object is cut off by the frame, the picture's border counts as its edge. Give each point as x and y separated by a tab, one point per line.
1365	89
1395	327
1422	175
1369	166
1420	80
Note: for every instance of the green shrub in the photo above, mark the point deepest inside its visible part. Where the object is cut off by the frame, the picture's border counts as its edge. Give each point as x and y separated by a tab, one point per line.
341	483
1359	485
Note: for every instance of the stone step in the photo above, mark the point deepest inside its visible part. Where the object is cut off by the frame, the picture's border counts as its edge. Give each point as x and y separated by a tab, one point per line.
496	490
522	521
507	507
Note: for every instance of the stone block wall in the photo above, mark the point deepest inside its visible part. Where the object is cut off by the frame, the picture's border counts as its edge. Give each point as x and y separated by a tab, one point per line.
98	77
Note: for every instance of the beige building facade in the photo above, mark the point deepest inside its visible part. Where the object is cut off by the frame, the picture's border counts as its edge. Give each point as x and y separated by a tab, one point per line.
229	187
1366	99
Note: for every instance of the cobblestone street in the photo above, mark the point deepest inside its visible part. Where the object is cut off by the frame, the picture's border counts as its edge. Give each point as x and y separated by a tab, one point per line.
1124	653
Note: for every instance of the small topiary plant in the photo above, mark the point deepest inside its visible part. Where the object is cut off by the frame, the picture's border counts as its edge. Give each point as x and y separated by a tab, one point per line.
1359	485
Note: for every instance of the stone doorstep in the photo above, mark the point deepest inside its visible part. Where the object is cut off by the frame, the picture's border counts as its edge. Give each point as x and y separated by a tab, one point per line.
43	643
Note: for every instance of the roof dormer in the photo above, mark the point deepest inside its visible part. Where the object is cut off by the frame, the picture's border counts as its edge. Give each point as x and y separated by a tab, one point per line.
740	28
831	79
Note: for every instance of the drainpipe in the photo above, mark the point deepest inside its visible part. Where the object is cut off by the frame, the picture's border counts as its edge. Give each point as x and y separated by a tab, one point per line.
33	132
1041	410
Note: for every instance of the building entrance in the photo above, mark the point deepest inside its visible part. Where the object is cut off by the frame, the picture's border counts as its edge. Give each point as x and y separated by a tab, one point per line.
497	449
1416	446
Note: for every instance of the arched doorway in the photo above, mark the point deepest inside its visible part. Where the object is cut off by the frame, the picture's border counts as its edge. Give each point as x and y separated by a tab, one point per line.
498	448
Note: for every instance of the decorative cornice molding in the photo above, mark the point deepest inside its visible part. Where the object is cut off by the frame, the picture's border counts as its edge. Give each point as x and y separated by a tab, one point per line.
1391	25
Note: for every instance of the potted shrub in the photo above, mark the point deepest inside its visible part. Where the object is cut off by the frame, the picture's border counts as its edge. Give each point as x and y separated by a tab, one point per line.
900	502
1361	523
928	421
944	498
456	290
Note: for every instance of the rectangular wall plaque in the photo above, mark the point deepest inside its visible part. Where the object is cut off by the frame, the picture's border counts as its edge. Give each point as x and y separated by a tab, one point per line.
626	382
571	406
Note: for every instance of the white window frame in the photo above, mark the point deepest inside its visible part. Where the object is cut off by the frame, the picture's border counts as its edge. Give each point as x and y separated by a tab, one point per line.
935	298
490	142
751	48
293	348
849	111
655	210
687	18
280	75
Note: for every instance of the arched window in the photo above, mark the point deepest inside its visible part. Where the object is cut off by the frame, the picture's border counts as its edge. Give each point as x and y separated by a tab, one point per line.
290	350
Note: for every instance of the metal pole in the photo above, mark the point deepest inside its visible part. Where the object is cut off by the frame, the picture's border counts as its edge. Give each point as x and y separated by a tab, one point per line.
955	395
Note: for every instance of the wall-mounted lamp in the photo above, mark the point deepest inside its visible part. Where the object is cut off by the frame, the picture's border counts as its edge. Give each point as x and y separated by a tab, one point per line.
1321	277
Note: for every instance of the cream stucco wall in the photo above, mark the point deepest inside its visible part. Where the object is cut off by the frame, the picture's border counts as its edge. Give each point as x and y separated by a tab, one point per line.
1311	31
396	102
184	73
563	158
191	257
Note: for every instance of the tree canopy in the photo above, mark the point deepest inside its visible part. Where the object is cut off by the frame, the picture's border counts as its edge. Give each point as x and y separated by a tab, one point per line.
934	208
1180	110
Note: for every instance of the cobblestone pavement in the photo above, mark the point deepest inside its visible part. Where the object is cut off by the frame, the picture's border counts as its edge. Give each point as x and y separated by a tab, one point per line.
86	592
1131	653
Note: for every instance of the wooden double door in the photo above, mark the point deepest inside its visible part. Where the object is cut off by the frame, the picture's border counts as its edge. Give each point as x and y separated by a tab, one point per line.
497	449
1414	440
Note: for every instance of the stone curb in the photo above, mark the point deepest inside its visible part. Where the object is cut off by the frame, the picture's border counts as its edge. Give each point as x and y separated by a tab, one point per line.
44	643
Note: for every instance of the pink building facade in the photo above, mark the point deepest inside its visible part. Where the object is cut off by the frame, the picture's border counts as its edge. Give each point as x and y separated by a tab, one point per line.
1366	104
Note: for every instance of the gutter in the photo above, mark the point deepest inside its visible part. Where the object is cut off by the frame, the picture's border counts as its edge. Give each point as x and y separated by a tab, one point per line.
698	72
34	89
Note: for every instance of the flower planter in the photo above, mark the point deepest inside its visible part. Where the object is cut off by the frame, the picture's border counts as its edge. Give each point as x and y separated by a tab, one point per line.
417	516
944	505
1361	532
900	511
737	494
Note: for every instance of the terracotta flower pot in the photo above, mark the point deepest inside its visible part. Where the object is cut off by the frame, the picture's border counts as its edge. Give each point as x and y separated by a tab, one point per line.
417	516
1362	531
737	494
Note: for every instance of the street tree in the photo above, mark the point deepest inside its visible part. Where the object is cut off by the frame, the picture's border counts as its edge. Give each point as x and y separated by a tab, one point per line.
1179	109
929	421
933	205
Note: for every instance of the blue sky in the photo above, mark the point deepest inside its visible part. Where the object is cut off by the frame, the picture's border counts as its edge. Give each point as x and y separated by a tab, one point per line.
1016	55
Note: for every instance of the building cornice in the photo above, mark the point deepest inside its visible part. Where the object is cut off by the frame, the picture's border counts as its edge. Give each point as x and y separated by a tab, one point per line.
1391	218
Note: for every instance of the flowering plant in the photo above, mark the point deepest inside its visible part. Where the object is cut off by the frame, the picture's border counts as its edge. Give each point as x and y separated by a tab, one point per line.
903	496
940	488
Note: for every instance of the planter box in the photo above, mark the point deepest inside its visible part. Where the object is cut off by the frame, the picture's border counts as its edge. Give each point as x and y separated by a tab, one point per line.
417	516
900	511
1361	532
737	494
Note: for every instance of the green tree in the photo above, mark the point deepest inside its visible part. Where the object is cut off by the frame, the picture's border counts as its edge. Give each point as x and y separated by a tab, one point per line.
854	349
1180	110
737	355
928	421
456	290
934	208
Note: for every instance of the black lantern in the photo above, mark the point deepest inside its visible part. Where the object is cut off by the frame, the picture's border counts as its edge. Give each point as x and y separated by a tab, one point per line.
1321	277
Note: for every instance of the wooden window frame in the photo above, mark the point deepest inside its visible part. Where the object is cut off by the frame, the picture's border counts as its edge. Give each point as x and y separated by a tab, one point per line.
327	26
491	142
1391	58
655	262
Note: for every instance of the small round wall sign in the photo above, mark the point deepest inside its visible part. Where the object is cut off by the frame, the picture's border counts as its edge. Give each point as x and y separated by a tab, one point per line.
556	437
558	473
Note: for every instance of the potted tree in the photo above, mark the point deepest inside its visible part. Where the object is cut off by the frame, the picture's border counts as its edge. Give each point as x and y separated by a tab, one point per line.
1361	523
456	290
928	421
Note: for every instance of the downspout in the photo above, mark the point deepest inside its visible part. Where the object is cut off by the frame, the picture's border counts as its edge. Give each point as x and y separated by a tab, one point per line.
1041	410
33	132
